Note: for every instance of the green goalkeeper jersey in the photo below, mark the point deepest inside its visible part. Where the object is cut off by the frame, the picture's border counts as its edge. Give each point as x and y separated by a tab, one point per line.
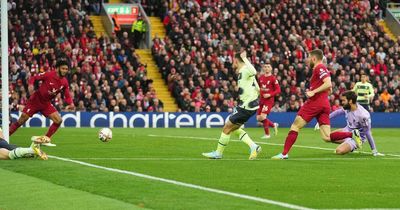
364	91
249	90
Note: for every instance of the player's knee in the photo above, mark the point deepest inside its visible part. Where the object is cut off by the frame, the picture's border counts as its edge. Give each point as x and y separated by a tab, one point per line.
260	118
294	127
23	118
326	138
58	120
340	151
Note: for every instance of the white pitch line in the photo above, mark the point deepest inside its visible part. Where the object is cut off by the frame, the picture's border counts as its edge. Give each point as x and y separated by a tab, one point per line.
258	142
193	186
224	159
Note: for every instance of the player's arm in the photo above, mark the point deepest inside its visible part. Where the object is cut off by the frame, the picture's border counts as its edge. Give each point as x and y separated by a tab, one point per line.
277	89
32	80
68	99
327	84
251	69
371	92
366	128
336	113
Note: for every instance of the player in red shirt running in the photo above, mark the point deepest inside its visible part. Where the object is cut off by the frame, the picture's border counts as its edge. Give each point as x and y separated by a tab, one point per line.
269	88
317	105
53	82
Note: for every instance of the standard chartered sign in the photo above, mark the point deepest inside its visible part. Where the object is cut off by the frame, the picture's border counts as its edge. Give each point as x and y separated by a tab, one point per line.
131	120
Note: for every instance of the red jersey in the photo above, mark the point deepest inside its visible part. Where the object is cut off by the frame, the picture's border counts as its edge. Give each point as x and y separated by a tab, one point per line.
51	85
320	72
268	85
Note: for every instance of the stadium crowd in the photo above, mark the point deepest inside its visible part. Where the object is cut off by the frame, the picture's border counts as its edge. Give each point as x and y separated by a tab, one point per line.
196	57
106	73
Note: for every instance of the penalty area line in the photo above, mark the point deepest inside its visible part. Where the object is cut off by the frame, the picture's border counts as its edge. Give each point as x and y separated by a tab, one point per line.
258	142
183	184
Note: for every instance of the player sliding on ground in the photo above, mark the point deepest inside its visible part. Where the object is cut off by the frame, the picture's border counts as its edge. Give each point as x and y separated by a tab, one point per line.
317	105
269	88
53	82
11	152
247	106
357	118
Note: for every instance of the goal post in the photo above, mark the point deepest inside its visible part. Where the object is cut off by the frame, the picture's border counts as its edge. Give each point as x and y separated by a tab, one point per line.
4	70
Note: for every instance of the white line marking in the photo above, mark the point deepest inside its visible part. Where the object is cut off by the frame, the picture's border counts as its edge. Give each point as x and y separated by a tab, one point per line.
258	142
230	159
198	187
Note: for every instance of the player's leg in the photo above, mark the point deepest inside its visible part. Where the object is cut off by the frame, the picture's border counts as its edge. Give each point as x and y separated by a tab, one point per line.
31	108
268	122
244	137
225	136
291	138
240	118
54	116
262	118
337	141
4	154
5	145
236	120
325	132
223	140
347	146
298	124
22	152
22	119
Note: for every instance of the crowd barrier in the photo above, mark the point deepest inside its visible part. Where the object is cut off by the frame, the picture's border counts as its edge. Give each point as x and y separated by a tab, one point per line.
183	120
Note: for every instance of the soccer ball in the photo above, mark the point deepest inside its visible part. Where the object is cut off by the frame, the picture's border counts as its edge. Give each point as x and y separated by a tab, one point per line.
105	134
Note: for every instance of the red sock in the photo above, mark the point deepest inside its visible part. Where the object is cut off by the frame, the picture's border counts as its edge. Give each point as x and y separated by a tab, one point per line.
266	127
14	127
340	135
271	124
290	139
53	128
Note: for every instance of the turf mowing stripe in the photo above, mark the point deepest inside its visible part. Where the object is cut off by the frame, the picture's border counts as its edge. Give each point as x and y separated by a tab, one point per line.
224	159
198	187
272	144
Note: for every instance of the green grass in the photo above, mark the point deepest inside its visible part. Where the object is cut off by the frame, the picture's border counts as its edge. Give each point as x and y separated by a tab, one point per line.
312	177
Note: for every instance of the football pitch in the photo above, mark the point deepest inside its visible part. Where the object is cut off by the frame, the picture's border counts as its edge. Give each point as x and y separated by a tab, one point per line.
163	169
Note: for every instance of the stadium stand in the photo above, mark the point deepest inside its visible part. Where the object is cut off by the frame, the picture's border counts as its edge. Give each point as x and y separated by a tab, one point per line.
196	57
106	72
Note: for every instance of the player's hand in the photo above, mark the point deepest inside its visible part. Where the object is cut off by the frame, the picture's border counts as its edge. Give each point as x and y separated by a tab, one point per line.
310	94
70	107
267	95
375	153
316	127
243	54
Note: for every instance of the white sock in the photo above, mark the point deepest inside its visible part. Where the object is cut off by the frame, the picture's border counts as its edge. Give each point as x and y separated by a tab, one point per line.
20	152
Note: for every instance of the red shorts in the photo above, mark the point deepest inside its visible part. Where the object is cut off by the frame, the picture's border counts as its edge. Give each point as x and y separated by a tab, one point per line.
321	112
35	104
265	108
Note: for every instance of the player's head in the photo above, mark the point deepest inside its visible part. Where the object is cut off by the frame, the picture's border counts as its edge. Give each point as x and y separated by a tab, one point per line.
364	78
237	60
315	57
347	99
62	67
267	68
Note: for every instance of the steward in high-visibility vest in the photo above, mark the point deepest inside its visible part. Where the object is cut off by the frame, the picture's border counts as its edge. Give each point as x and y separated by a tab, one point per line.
138	30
